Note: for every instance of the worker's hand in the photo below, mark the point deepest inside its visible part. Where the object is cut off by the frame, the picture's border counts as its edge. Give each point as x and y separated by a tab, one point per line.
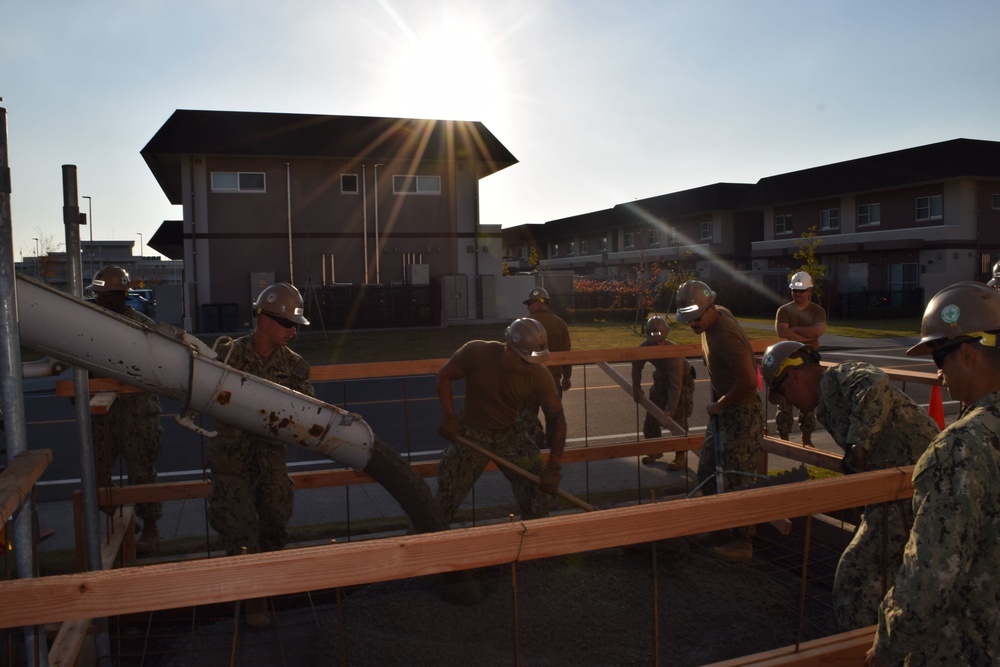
871	660
549	480
449	427
566	384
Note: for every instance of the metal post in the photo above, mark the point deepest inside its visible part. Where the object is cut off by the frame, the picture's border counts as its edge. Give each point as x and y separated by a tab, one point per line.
81	393
13	396
90	225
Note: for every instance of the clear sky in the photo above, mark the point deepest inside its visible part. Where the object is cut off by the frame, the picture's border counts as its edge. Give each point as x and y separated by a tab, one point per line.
602	102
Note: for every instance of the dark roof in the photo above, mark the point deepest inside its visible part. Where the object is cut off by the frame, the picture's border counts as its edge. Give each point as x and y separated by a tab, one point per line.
310	135
708	198
933	162
169	239
585	223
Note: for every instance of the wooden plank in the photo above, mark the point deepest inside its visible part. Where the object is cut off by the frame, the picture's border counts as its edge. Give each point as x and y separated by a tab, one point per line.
191	583
19	477
190	490
101	402
652	408
67	388
120	538
66	646
841	650
808	455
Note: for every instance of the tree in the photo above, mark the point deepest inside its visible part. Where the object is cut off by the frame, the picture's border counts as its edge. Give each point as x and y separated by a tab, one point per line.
806	253
533	258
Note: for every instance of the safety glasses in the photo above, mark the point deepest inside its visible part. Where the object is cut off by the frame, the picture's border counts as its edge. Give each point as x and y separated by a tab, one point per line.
282	322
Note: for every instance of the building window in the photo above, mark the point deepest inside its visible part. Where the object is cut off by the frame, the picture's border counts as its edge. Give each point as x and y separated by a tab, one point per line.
349	184
929	208
705	231
238	181
416	185
830	219
782	224
555	249
654	237
629	240
869	215
583	246
570	248
995	202
602	245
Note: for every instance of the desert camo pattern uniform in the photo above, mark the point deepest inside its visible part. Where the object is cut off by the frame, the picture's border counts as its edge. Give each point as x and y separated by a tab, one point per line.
859	405
952	617
133	431
251	498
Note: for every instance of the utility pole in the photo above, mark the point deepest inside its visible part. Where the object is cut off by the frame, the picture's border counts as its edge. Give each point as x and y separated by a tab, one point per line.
90	224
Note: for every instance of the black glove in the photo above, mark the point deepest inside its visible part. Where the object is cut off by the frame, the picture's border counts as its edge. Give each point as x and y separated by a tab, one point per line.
449	427
549	480
855	460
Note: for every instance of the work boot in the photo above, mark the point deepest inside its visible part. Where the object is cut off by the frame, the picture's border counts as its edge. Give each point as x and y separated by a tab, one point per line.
650	459
783	435
680	462
737	550
807	439
149	540
256	613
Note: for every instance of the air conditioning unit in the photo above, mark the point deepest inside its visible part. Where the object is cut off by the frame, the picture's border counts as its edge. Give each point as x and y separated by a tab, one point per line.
418	274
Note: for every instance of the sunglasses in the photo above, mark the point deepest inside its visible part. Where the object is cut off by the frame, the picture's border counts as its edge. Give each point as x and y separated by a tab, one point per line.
941	353
282	322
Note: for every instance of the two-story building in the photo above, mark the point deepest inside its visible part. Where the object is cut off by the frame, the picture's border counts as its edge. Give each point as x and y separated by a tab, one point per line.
906	222
377	204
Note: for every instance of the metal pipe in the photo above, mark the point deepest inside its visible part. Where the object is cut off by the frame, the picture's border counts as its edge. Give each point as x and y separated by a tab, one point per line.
15	430
170	363
81	395
364	216
378	246
288	189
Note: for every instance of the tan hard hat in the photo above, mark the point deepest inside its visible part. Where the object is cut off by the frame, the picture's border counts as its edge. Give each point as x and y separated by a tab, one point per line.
693	297
527	337
537	294
962	310
281	300
657	328
781	356
110	279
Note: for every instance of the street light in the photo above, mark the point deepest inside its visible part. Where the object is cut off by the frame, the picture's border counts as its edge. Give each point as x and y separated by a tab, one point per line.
90	223
139	263
37	253
140	243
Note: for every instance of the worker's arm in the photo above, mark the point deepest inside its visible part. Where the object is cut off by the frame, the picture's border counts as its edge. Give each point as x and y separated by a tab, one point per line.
746	386
447	374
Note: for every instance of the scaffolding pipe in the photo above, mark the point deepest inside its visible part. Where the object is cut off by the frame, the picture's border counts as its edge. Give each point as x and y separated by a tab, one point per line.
81	394
15	431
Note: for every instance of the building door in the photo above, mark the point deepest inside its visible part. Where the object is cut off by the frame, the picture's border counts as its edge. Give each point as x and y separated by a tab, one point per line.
455	297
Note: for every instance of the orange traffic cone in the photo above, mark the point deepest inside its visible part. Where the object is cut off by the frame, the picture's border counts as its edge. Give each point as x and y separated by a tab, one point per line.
935	408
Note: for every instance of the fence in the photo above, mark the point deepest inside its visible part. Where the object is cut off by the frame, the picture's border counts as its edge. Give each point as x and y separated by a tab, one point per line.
336	307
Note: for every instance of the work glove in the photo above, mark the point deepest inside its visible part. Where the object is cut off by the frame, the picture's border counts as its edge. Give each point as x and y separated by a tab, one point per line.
449	427
549	480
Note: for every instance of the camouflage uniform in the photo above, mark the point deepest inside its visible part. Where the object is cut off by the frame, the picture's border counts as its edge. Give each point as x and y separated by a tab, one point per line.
859	405
739	427
131	430
944	606
676	374
251	497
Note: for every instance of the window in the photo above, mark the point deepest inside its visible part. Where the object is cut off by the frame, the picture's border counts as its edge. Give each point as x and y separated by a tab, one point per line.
629	240
416	185
929	208
705	231
995	202
583	246
570	248
869	215
555	249
349	184
782	224
602	245
654	237
830	219
238	181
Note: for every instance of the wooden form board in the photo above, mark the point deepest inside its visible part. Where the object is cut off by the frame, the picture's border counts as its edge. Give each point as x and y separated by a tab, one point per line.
846	649
19	477
191	583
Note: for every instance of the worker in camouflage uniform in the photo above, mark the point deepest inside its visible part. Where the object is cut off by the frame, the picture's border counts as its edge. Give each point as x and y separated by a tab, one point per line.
500	378
943	606
877	426
804	321
131	428
672	390
251	496
736	424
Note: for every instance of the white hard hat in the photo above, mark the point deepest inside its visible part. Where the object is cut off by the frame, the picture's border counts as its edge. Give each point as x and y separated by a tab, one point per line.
801	281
